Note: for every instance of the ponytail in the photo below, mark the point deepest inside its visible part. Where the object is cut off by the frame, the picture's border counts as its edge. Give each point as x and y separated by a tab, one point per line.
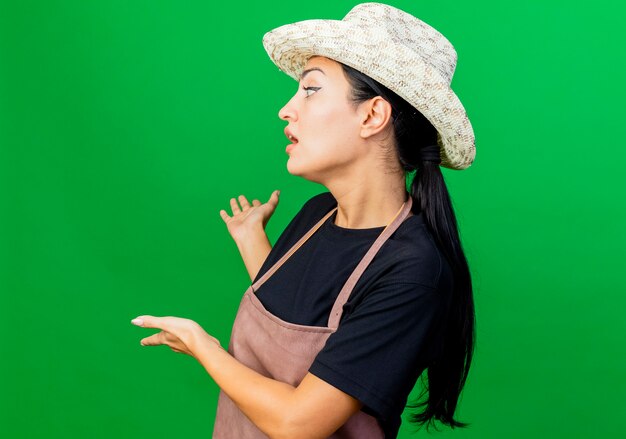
415	136
447	374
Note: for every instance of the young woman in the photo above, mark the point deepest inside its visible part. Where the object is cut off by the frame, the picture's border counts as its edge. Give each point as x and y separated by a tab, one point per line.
368	286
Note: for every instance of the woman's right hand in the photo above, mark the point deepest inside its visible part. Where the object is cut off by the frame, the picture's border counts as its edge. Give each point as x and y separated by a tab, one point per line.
248	217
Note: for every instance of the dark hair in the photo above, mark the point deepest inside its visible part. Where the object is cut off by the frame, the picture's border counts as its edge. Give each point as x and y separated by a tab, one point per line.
448	372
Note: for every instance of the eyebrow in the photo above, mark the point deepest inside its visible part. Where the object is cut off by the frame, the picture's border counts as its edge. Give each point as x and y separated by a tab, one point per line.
307	71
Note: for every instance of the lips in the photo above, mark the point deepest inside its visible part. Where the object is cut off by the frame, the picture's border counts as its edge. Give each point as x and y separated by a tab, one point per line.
290	135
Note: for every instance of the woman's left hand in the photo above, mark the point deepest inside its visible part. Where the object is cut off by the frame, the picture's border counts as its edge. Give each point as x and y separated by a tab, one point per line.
177	333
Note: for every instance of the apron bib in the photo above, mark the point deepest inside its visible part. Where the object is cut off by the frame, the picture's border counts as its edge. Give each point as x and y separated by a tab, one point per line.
284	351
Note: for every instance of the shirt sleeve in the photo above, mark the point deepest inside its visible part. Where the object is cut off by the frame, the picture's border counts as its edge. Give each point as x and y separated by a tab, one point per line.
381	348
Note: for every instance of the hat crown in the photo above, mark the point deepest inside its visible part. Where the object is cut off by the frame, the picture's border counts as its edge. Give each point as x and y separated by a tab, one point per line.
409	31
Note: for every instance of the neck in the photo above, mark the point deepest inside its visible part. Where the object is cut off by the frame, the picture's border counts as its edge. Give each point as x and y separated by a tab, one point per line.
368	203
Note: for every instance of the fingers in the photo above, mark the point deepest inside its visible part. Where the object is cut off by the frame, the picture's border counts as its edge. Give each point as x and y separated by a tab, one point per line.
224	215
166	323
245	205
244	202
145	321
234	206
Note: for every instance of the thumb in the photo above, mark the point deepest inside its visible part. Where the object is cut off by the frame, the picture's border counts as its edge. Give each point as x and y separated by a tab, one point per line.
274	197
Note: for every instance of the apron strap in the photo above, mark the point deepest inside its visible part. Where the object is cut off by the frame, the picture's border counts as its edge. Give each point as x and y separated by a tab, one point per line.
344	294
295	247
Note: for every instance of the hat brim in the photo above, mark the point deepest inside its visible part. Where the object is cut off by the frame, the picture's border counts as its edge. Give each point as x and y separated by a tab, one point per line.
291	45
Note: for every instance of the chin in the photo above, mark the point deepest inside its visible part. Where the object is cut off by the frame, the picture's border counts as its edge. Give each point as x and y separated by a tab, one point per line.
297	170
292	166
293	169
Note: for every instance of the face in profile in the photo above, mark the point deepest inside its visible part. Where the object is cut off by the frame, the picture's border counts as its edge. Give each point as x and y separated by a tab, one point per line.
324	122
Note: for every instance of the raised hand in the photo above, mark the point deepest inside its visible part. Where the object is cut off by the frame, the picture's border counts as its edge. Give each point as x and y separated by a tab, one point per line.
248	217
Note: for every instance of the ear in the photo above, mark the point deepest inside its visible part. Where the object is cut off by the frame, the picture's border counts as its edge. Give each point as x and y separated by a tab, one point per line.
375	116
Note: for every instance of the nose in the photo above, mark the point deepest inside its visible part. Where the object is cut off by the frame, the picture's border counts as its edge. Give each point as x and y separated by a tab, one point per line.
287	112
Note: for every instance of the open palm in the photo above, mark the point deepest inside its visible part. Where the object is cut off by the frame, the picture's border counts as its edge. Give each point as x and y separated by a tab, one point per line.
248	215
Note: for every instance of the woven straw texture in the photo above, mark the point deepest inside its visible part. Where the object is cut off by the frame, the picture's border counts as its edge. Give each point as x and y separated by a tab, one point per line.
396	49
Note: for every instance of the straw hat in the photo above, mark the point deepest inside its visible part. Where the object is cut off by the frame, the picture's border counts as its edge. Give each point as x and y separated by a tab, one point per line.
396	49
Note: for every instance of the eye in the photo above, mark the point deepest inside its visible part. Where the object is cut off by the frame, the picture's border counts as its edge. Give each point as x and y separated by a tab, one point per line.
306	89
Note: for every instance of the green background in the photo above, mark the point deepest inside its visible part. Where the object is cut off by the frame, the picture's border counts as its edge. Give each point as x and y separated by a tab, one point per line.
125	126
